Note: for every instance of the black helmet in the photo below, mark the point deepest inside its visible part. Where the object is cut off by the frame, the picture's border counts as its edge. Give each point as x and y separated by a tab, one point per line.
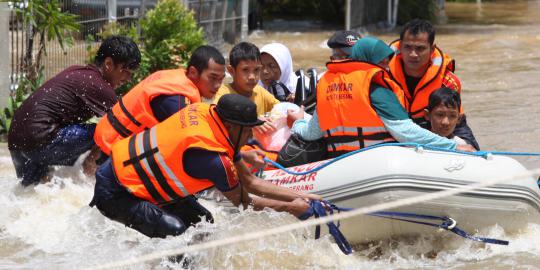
237	109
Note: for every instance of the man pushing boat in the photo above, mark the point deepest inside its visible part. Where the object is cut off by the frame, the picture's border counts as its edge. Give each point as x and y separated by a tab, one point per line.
149	182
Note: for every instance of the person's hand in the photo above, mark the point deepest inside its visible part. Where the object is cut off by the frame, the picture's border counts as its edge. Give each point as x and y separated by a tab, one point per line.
267	127
310	196
290	98
298	207
254	157
466	148
293	115
89	164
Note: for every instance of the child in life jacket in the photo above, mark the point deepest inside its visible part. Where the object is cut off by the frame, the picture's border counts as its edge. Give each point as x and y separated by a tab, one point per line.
443	113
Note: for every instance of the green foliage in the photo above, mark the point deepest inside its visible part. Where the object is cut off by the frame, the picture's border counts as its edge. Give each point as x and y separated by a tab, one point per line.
32	85
45	21
16	99
109	29
46	17
421	9
7	114
169	35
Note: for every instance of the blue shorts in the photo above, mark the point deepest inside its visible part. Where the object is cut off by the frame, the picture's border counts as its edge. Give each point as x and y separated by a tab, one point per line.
70	142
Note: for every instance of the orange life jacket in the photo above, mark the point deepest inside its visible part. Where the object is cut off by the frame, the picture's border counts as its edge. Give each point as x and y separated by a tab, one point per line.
149	164
344	108
133	112
432	80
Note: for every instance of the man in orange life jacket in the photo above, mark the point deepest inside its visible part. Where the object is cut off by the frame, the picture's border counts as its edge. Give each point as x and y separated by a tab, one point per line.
420	68
358	105
160	95
149	182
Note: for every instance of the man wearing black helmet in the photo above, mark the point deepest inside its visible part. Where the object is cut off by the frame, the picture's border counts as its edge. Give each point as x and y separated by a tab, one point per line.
149	182
341	43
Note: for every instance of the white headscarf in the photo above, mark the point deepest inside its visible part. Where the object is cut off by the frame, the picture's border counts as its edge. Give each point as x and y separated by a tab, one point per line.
283	57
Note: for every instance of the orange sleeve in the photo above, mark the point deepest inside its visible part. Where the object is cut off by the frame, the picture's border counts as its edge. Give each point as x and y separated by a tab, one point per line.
451	81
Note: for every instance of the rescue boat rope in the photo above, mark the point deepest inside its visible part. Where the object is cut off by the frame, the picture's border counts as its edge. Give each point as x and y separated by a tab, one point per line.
484	154
311	222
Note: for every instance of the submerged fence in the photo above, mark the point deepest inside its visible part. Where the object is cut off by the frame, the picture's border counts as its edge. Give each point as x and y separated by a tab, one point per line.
361	13
222	20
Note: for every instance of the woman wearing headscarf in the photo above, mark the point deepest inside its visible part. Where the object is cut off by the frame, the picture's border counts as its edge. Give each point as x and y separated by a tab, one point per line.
277	75
359	105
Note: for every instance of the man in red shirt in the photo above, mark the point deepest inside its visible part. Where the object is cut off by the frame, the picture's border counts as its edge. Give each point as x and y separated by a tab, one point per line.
48	128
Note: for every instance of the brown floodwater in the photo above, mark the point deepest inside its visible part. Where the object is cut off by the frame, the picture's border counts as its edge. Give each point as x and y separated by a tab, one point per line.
495	45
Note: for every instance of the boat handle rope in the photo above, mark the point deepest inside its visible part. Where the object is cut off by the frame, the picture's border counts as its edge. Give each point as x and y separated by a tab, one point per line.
319	209
419	147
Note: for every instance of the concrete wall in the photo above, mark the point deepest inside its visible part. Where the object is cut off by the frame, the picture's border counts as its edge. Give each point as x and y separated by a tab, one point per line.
5	56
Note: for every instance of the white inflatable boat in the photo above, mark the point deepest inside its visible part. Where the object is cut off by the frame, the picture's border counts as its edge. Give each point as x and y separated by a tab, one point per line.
391	173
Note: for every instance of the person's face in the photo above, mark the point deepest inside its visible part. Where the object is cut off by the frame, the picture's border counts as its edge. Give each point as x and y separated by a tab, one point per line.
234	134
416	51
270	69
209	80
443	120
338	54
245	75
115	74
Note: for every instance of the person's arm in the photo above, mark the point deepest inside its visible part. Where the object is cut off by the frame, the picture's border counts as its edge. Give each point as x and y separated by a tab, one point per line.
459	140
238	196
220	169
401	127
164	106
309	130
463	131
267	128
254	158
227	180
450	80
265	189
407	131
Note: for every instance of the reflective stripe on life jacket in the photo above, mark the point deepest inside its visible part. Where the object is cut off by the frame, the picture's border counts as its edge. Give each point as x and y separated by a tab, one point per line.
432	80
149	164
133	112
344	106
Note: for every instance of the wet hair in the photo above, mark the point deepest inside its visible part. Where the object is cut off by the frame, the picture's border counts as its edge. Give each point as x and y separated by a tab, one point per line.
121	49
417	26
244	51
202	55
445	96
